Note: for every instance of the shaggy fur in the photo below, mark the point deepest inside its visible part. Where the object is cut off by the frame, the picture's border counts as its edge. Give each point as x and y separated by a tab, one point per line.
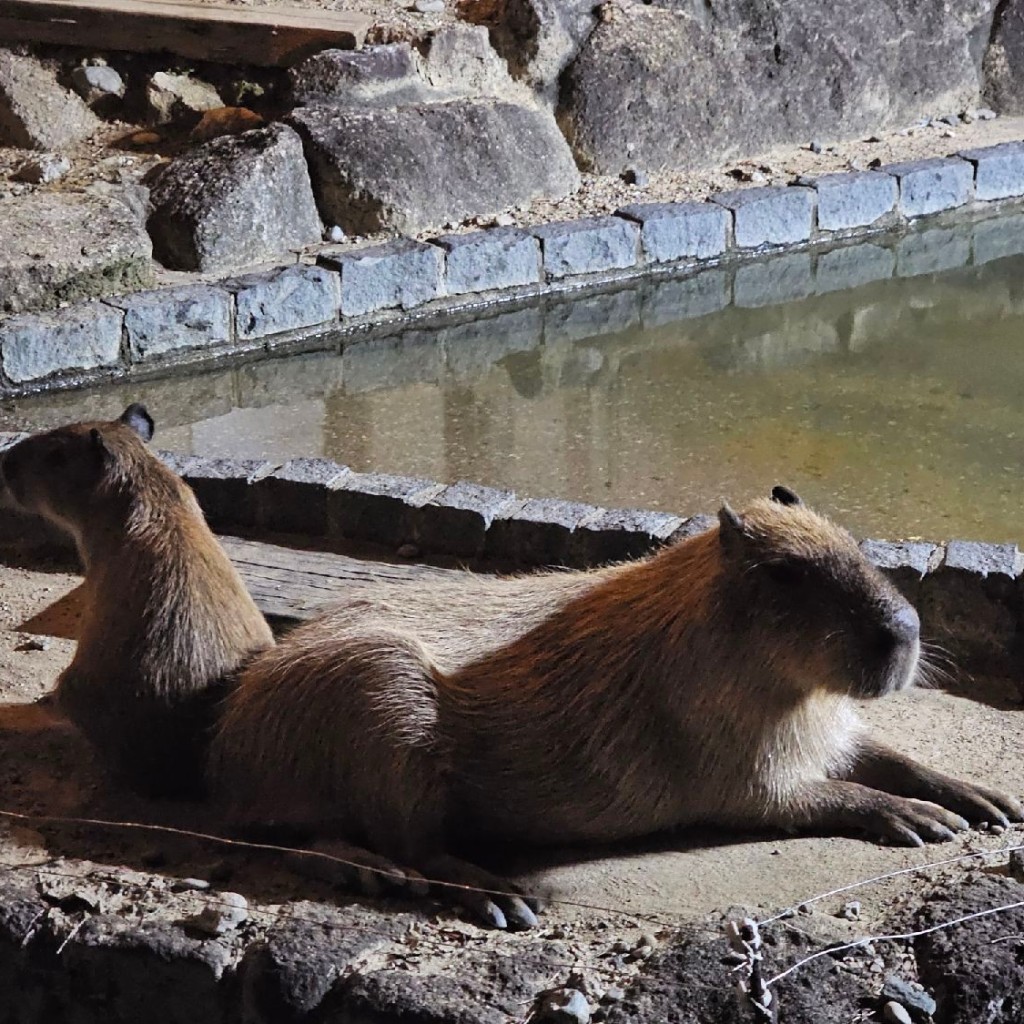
166	617
711	682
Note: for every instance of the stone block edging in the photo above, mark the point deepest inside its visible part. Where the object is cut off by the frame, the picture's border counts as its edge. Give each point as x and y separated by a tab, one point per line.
360	289
970	594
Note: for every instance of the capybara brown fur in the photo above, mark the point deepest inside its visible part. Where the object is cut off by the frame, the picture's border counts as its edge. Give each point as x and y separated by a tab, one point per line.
712	682
166	618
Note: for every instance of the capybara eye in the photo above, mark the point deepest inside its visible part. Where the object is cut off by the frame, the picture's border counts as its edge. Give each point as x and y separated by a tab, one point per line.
786	573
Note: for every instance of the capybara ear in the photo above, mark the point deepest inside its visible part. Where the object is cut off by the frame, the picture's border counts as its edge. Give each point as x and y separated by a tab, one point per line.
731	527
784	496
136	417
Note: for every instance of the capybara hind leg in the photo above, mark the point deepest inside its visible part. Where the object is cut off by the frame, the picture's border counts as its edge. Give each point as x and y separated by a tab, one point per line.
492	900
340	863
882	768
835	804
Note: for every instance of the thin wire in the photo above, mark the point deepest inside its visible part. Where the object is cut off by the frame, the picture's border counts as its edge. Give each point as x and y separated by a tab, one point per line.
832	950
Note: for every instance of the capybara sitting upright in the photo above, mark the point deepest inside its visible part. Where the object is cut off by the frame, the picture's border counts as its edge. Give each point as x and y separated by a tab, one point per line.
712	682
166	618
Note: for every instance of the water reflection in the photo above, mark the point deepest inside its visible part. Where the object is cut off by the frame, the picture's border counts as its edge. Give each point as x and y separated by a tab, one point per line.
896	404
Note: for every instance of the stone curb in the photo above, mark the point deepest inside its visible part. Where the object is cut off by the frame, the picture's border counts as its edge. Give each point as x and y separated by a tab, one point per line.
970	594
384	286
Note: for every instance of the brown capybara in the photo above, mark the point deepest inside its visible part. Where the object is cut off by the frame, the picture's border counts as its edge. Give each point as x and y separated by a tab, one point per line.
712	682
166	618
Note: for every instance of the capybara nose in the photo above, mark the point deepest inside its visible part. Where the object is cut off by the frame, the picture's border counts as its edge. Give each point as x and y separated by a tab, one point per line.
901	628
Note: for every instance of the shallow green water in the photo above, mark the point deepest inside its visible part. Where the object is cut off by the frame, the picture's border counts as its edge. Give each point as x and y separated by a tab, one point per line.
898	406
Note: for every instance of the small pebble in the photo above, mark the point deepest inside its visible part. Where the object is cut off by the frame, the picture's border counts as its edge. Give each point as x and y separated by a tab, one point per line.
334	234
504	220
613	994
895	1014
950	119
564	1006
429	6
95	80
647	939
851	910
231	910
636	176
41	170
34	643
815	146
915	999
984	114
873	164
190	885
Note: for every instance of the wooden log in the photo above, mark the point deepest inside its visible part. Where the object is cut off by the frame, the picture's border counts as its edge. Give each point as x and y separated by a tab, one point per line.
227	35
290	586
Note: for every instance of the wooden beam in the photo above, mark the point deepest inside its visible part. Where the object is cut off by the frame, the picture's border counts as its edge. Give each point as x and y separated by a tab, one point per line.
226	35
289	586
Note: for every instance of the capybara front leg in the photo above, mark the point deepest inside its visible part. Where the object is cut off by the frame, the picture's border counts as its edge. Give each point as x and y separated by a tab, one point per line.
837	805
880	767
493	900
340	863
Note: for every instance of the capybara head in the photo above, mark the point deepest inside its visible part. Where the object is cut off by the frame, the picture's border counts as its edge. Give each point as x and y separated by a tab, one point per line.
827	617
62	474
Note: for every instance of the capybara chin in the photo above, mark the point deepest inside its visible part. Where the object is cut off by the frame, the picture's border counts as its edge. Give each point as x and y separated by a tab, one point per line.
166	619
711	682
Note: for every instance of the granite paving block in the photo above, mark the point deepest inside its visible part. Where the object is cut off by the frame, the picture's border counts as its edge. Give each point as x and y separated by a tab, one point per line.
997	238
905	562
402	274
782	278
224	487
855	199
588	246
86	336
929	186
483	260
168	320
377	507
852	266
666	300
678	231
457	520
931	251
775	215
579	317
620	533
407	358
539	533
998	170
287	299
294	498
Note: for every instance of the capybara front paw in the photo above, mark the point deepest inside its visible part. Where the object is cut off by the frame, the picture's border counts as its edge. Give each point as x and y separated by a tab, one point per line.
909	822
980	803
493	901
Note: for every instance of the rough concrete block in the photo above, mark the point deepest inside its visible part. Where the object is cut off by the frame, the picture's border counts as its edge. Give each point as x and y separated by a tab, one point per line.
284	300
782	278
776	215
538	533
853	266
377	507
485	260
294	498
169	320
223	487
998	170
854	200
933	250
669	299
678	231
615	534
591	316
929	186
401	273
998	238
457	520
588	246
86	336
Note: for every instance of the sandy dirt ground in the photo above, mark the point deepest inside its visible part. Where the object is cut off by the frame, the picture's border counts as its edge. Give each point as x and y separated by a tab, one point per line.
975	729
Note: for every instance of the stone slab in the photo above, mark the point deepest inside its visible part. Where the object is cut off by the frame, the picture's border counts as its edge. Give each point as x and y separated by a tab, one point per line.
775	215
853	266
60	247
294	498
539	533
998	170
983	559
378	507
853	200
930	186
588	246
782	278
617	534
931	251
485	260
385	74
280	301
224	487
169	320
457	520
402	274
34	346
679	231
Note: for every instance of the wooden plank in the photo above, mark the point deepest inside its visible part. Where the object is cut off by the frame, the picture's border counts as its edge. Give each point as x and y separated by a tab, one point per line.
289	586
226	35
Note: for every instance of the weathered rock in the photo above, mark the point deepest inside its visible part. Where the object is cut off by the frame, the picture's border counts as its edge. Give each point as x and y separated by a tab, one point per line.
1004	59
376	75
588	246
99	85
420	166
854	200
234	201
461	60
401	273
60	247
36	111
285	299
43	169
998	170
770	215
678	84
930	186
537	38
170	97
676	231
481	260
